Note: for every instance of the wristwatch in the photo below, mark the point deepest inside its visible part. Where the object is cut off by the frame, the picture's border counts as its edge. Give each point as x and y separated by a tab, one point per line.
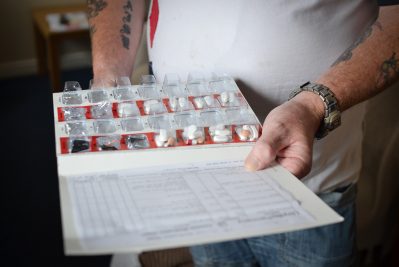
332	114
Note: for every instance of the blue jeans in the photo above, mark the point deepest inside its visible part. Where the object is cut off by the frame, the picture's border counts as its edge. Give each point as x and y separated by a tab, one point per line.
332	245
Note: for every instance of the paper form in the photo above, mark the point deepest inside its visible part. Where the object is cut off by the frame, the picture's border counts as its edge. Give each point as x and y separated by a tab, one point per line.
145	208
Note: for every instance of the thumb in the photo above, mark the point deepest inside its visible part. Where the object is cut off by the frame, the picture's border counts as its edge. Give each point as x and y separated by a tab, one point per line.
264	152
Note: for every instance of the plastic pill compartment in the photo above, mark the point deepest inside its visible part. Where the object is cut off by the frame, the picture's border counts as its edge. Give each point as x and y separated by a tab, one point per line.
198	111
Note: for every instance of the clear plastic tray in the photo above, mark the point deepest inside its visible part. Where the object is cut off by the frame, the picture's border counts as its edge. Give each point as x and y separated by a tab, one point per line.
77	128
79	144
153	106
97	96
137	141
159	122
185	119
239	116
124	94
211	118
74	113
108	143
101	111
104	126
132	124
148	92
127	109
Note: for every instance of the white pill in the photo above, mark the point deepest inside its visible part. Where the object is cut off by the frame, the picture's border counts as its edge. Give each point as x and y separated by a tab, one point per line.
224	97
254	132
158	141
148	105
221	138
220	127
191	129
147	109
182	102
224	132
199	102
209	100
195	135
163	135
173	103
243	134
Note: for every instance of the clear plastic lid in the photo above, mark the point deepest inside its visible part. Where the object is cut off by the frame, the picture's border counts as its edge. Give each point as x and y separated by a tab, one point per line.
104	126
148	80
108	143
159	122
148	92
72	95
211	118
153	106
137	141
72	86
222	83
132	124
186	119
74	113
181	103
127	109
79	144
239	116
172	86
196	84
101	111
78	128
97	96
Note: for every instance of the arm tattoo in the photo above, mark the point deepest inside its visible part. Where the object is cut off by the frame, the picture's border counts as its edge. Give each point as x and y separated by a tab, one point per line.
92	29
126	19
94	7
388	70
347	55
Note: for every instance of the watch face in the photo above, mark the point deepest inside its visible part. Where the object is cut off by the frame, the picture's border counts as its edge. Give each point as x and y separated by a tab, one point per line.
332	117
335	120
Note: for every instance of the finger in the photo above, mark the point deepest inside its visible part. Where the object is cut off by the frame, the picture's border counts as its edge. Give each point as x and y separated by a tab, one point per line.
264	152
297	158
296	166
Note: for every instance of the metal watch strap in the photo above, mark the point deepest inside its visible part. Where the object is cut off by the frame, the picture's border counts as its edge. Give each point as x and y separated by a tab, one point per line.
332	114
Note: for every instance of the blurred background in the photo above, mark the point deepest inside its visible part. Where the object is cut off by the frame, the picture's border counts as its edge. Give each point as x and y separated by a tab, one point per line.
35	60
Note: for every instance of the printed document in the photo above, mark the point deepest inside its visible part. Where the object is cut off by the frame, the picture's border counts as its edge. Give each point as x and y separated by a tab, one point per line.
172	206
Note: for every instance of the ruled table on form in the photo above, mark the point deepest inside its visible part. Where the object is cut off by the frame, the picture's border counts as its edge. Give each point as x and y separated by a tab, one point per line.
178	202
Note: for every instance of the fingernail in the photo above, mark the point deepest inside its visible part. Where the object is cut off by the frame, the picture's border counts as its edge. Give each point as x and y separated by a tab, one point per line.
251	164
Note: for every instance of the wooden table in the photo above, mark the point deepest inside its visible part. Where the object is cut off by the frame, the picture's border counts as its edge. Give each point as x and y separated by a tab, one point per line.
48	42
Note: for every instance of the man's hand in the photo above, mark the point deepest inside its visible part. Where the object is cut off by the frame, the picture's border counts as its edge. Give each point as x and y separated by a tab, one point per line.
288	134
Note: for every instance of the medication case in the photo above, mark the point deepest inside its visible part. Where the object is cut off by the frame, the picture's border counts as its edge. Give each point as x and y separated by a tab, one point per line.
155	138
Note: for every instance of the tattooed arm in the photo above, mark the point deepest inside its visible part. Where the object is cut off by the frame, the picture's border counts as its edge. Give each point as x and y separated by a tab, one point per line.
116	28
370	65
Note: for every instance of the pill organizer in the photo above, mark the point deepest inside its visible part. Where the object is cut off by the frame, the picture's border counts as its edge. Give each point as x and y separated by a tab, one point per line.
157	141
153	116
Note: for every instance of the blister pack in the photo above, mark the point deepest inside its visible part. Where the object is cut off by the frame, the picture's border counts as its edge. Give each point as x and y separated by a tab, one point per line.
153	115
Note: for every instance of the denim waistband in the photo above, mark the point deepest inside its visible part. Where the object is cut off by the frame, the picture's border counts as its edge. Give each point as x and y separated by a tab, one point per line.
340	196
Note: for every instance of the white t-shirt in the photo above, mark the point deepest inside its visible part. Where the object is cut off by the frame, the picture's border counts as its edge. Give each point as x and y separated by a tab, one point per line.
270	48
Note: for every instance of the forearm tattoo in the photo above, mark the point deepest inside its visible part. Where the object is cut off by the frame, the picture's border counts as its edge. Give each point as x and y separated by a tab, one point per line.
92	29
126	19
389	70
94	7
347	55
